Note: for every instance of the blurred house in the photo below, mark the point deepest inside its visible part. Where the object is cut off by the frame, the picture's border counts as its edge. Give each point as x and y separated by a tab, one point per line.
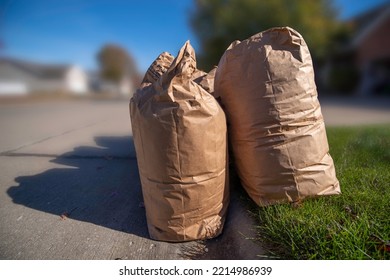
361	62
371	46
20	77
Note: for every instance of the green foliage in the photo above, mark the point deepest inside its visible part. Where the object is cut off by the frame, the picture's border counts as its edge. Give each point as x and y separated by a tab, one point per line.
217	23
115	63
354	225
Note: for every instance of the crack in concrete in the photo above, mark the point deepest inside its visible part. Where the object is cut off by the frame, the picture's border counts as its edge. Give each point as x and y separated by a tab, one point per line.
106	157
51	137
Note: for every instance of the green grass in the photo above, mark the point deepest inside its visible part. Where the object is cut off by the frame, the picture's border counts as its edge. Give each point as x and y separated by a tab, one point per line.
353	225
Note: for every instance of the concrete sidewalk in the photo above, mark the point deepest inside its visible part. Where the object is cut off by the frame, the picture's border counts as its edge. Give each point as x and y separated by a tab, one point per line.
70	189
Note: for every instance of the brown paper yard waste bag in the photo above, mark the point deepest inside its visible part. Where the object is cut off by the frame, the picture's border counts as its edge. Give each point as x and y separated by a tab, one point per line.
266	85
180	138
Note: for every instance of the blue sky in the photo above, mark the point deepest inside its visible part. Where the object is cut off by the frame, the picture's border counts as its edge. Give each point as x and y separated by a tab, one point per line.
72	31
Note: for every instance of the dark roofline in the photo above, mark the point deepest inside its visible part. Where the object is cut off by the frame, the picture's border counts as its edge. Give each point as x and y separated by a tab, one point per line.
362	24
368	21
368	14
40	70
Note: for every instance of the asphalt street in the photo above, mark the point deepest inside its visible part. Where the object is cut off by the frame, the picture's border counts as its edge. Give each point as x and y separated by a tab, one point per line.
70	189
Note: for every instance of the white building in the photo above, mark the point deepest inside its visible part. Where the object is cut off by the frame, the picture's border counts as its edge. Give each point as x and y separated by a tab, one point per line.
18	77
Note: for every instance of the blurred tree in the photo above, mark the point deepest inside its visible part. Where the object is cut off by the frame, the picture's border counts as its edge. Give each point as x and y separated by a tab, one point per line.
219	22
115	63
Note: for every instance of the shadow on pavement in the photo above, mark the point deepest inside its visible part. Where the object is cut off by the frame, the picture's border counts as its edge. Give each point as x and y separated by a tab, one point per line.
98	185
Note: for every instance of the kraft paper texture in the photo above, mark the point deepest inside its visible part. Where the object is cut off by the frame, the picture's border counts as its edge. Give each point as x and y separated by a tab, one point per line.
180	135
276	129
